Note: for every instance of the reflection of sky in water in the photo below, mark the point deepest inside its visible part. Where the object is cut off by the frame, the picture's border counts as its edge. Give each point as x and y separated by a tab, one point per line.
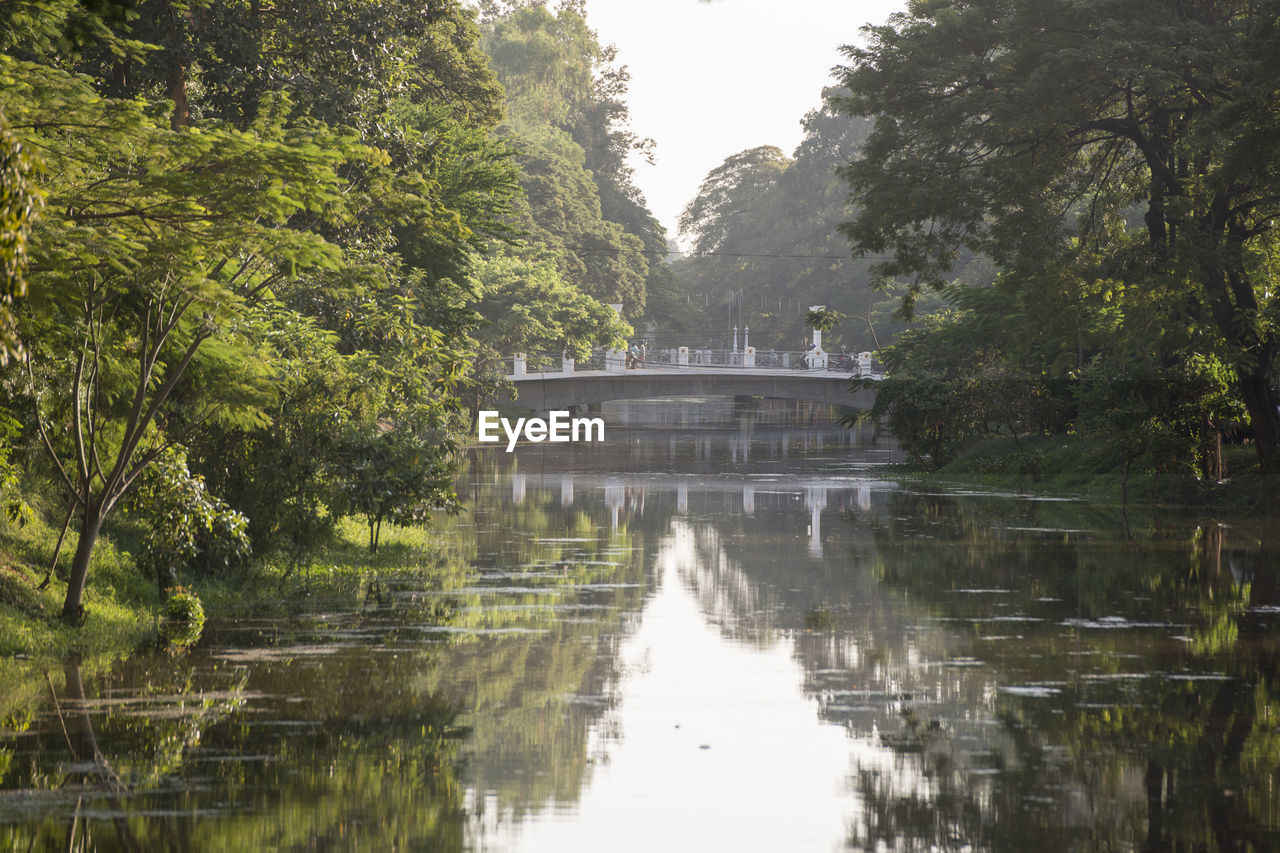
713	746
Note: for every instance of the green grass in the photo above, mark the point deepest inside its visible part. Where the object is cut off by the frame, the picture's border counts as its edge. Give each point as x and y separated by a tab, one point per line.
123	605
120	603
341	570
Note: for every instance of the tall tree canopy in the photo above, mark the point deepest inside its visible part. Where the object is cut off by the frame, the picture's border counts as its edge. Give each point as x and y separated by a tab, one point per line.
261	228
763	232
567	114
1122	140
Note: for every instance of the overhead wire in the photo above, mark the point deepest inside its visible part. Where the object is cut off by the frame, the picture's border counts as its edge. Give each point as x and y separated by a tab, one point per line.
581	250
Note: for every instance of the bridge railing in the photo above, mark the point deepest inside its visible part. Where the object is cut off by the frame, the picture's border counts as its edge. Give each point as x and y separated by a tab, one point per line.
538	363
674	358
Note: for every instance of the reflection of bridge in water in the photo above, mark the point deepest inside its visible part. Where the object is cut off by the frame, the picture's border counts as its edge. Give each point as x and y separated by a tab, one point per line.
627	495
547	383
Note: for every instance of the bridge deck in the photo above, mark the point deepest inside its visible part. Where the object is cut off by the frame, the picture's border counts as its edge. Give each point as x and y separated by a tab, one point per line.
694	370
560	390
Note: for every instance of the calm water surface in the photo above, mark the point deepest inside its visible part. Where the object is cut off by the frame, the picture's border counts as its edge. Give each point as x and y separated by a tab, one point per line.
709	640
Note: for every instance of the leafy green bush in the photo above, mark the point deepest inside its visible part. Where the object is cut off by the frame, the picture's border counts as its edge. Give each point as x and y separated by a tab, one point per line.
181	618
183	521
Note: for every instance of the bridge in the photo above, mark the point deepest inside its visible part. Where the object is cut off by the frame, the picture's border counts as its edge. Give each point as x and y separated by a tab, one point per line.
550	383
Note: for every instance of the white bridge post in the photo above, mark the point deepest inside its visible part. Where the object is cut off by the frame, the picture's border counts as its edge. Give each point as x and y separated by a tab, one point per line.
749	357
682	357
518	364
567	365
615	361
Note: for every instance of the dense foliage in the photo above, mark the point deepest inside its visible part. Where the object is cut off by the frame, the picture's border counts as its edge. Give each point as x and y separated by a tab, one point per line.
286	246
567	117
764	247
1117	161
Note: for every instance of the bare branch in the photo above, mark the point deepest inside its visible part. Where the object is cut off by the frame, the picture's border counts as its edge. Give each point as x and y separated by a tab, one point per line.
76	419
53	454
116	483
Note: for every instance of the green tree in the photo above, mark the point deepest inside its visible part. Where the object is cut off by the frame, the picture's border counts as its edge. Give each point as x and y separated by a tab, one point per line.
567	114
824	319
563	214
181	521
1029	131
363	347
397	475
532	309
155	243
284	475
765	225
731	189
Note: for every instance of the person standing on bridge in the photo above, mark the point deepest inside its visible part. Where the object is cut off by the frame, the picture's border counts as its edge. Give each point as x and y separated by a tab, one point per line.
807	360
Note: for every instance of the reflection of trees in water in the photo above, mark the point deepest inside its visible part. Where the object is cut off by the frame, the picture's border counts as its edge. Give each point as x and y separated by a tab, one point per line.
320	722
1136	739
97	780
998	648
351	735
724	592
869	655
566	586
169	757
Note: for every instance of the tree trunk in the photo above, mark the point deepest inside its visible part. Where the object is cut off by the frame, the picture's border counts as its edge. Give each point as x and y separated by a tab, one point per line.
1232	302
72	608
57	549
1155	806
1260	401
176	79
1211	465
253	89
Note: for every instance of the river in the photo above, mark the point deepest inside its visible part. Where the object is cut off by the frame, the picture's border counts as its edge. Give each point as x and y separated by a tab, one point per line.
703	639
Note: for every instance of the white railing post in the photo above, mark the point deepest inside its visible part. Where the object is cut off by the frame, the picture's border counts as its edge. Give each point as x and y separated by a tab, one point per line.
682	358
819	360
749	357
568	365
615	361
864	364
518	364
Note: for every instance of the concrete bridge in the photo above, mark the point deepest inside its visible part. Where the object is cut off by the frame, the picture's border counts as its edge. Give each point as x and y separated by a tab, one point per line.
557	383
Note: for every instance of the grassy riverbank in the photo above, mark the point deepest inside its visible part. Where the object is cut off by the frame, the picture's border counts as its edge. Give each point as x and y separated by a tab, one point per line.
341	570
121	602
123	605
1074	466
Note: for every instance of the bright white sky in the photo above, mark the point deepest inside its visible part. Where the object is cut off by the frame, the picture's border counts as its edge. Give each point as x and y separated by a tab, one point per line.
710	79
